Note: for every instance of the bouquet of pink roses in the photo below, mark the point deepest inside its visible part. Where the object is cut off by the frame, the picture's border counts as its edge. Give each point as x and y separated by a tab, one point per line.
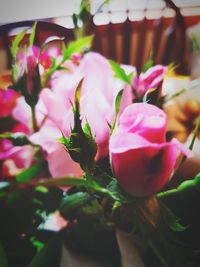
85	162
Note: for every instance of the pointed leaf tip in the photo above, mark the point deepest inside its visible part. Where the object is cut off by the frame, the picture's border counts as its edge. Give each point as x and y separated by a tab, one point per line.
32	35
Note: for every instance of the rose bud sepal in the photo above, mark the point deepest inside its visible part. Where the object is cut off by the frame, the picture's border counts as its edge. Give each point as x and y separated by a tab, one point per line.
81	144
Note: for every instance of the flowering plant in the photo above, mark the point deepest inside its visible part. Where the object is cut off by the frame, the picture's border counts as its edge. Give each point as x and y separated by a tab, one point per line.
84	145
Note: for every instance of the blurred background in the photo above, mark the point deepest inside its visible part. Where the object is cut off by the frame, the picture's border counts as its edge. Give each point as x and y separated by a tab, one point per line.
128	31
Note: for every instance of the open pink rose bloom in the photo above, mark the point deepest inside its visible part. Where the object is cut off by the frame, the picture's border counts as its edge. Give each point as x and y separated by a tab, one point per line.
142	159
98	93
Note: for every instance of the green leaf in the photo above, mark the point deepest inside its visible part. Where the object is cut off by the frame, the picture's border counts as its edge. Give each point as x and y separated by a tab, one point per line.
3	258
117	192
96	187
120	72
26	175
37	202
148	65
85	5
65	141
117	107
171	67
118	101
62	181
77	46
171	219
87	129
71	202
36	243
16	42
41	189
75	20
49	255
32	35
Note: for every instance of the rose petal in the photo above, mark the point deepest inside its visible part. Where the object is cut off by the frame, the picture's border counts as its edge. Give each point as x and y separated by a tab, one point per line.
60	164
143	170
146	120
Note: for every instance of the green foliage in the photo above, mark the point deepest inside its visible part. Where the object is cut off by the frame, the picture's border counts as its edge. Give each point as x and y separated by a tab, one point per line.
87	130
148	65
36	243
118	101
49	255
96	187
77	46
70	203
120	72
75	20
32	35
62	182
41	189
16	42
85	4
26	175
117	193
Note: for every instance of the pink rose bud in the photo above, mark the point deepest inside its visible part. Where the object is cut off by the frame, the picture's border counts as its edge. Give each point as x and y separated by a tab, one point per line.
142	160
152	78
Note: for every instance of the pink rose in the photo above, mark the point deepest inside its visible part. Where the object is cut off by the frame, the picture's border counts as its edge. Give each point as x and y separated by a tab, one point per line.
152	78
97	105
142	160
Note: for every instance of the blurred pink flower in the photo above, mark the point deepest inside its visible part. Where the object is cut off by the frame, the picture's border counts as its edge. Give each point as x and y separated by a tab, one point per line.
152	78
141	158
7	102
13	158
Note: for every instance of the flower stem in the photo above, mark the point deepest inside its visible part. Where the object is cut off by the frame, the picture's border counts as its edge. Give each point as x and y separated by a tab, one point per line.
33	116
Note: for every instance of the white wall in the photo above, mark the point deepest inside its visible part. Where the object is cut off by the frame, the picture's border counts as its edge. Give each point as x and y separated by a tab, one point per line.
18	10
